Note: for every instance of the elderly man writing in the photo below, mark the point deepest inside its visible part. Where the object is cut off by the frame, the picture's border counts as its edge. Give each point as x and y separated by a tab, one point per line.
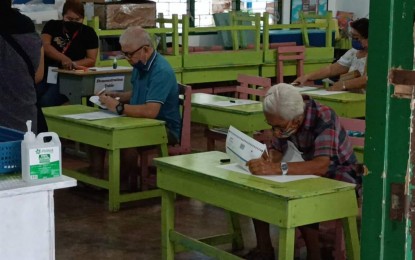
315	130
155	92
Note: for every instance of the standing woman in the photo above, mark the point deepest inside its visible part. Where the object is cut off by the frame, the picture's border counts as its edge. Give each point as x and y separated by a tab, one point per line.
21	66
69	44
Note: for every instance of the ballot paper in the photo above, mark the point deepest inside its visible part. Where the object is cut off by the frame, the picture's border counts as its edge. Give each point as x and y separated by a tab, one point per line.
278	178
93	115
242	148
95	100
305	88
233	102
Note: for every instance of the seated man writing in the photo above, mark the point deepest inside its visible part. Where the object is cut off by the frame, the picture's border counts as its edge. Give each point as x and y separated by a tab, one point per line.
316	132
155	94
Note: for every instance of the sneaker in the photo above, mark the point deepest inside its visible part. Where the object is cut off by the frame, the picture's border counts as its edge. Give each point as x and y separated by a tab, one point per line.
257	254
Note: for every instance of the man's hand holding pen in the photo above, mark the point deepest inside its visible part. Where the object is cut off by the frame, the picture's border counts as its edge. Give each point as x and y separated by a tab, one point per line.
109	99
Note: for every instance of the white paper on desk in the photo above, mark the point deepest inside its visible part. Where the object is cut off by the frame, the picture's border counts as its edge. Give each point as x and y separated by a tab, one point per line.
305	88
322	92
235	102
110	83
52	75
93	115
277	178
242	148
109	68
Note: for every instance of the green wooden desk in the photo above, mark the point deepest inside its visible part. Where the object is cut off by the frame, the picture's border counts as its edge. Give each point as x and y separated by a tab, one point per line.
286	205
112	134
78	84
246	118
349	105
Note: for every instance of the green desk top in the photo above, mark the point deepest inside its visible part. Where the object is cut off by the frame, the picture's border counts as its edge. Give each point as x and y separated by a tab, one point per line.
342	97
107	124
204	164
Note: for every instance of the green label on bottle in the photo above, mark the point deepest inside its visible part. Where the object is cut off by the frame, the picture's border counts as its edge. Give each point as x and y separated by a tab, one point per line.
44	163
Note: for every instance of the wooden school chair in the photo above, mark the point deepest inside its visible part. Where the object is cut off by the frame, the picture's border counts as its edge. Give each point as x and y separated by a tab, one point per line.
249	87
146	178
289	53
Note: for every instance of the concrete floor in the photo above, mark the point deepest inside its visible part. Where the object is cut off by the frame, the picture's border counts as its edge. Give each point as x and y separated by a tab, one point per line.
86	230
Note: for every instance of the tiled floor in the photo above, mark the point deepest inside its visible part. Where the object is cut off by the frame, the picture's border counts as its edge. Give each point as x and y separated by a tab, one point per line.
86	230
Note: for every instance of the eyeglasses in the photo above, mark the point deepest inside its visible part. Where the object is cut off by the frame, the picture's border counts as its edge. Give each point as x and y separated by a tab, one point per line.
277	127
73	19
355	36
129	55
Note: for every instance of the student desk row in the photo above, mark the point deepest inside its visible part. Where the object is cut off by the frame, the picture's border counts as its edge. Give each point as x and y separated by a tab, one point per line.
285	204
111	134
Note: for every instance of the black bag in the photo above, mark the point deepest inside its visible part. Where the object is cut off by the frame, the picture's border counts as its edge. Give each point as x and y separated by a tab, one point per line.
41	121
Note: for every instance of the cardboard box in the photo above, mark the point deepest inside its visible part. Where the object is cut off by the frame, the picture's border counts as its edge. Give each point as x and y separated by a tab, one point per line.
120	15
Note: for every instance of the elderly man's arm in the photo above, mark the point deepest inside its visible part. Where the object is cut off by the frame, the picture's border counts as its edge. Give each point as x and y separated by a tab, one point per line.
148	110
317	166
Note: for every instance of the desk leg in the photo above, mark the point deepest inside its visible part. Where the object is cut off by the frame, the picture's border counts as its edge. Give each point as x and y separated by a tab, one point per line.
114	179
163	150
352	238
167	224
235	229
286	243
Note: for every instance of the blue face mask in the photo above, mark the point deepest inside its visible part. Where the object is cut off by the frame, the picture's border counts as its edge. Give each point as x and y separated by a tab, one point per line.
356	44
139	65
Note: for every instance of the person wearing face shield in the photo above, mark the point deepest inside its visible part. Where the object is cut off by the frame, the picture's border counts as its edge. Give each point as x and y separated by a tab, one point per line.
68	44
319	140
352	63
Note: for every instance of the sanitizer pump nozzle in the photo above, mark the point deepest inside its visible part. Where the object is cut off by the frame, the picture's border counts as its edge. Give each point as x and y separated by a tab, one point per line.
29	136
29	141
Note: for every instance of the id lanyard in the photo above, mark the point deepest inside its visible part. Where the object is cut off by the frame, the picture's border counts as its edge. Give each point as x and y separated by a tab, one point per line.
69	43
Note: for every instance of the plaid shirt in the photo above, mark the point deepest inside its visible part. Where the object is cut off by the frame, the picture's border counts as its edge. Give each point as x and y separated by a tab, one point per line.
322	135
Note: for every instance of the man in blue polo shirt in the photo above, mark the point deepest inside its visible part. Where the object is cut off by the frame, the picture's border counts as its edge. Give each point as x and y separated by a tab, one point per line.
155	92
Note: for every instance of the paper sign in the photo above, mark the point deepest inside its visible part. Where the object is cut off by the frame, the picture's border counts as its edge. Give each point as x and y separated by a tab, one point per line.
112	83
52	75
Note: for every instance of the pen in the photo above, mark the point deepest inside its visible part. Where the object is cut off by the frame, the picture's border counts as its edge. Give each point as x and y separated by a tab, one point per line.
232	101
101	91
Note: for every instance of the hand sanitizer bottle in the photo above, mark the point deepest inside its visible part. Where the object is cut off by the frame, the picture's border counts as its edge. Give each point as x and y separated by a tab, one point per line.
114	63
29	141
41	159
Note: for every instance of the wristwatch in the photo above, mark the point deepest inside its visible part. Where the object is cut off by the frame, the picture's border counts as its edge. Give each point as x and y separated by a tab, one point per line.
120	108
284	168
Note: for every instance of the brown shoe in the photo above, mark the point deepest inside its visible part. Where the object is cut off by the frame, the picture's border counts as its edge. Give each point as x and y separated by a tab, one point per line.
257	254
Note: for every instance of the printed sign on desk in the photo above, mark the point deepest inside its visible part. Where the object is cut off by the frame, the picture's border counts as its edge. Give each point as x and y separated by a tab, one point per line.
112	83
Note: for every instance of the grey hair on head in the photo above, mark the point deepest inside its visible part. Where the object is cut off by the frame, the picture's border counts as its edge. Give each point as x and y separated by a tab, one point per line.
136	36
284	100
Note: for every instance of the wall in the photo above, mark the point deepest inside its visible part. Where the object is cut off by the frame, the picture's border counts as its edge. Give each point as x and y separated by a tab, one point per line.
360	8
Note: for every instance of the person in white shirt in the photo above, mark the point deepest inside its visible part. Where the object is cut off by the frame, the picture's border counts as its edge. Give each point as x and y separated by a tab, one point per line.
353	62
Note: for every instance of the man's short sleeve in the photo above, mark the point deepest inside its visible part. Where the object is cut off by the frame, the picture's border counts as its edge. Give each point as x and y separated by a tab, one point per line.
161	82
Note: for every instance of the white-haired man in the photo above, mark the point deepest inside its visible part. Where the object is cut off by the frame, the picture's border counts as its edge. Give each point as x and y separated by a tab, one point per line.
155	92
316	132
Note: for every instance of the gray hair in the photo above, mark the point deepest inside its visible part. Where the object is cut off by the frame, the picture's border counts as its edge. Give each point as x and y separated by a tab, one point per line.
284	100
136	36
